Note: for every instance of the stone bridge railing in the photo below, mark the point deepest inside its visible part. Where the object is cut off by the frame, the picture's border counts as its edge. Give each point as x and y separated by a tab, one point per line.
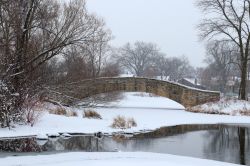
184	95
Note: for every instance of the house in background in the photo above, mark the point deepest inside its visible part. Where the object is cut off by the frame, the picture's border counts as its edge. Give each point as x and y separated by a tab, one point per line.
232	85
191	82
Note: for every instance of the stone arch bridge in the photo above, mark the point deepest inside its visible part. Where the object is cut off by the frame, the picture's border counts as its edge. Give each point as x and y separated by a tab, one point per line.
184	95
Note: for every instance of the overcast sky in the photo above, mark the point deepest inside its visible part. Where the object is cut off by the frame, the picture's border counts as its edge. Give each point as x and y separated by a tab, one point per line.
171	24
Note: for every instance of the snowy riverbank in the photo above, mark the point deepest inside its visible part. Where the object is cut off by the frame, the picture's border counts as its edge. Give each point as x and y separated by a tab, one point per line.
108	159
226	107
149	112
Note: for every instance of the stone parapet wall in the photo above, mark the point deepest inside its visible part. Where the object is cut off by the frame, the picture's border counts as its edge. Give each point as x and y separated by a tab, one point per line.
184	95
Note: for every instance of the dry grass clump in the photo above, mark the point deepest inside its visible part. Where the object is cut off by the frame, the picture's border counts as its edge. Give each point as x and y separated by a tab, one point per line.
120	122
200	109
63	111
244	112
131	123
72	113
91	114
58	111
194	109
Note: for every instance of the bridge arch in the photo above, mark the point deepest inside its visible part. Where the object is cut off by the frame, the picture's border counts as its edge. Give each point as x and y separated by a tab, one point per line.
184	95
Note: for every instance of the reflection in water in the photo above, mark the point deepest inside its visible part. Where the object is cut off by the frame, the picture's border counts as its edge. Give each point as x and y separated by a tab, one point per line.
242	141
76	143
228	144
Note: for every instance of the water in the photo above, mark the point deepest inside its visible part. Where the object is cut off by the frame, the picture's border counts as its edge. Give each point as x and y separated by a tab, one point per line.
223	144
217	142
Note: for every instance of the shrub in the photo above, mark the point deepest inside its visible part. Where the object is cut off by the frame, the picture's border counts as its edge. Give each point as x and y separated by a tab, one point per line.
120	122
92	114
32	109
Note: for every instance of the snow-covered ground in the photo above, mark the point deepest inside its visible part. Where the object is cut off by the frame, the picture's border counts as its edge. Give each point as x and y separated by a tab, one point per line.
108	159
146	100
154	114
150	112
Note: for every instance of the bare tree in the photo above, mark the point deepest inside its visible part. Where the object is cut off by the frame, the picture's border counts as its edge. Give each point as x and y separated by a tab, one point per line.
161	65
31	33
88	60
177	68
110	67
96	50
221	57
74	67
137	58
229	20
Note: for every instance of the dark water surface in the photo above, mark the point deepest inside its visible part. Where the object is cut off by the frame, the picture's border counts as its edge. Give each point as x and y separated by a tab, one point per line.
226	143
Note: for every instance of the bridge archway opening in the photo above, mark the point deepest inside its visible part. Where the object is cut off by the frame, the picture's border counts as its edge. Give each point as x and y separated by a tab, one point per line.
140	100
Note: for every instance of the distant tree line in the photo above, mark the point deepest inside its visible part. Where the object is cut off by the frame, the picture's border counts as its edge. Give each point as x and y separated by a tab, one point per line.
222	70
146	60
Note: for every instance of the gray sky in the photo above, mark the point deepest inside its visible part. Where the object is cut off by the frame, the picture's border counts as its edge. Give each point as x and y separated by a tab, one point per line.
171	24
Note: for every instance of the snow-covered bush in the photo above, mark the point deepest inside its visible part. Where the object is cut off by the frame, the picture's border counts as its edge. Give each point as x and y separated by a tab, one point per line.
120	122
89	113
32	109
9	105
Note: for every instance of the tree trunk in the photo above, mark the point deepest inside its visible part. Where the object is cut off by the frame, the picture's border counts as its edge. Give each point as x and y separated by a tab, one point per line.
243	83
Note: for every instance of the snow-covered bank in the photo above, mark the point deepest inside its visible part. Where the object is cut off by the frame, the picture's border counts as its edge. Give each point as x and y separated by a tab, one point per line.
146	118
108	159
227	107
